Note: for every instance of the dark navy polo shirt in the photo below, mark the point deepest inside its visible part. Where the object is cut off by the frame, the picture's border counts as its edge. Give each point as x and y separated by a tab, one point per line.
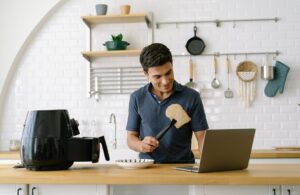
147	117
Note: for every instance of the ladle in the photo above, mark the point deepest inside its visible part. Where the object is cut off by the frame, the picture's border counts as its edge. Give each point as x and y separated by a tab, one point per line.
215	82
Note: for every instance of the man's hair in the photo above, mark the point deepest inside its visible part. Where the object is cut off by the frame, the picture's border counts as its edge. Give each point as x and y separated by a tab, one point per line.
155	54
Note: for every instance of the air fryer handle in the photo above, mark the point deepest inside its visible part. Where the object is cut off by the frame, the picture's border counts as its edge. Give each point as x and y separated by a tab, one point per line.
104	146
74	125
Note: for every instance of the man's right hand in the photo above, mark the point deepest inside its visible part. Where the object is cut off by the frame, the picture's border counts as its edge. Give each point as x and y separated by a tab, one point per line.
148	144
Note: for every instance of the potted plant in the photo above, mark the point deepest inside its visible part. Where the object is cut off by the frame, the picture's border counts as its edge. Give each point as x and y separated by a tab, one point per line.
117	43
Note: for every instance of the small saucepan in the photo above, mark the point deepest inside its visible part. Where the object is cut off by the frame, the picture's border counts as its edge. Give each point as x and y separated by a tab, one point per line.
195	45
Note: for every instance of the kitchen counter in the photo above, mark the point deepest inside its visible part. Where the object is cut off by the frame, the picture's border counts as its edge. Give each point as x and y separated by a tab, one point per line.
258	153
267	153
256	174
9	155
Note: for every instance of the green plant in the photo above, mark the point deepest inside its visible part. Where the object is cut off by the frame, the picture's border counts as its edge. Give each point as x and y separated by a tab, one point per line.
118	37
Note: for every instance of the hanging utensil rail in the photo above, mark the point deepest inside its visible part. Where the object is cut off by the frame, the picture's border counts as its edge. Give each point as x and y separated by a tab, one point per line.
231	54
217	21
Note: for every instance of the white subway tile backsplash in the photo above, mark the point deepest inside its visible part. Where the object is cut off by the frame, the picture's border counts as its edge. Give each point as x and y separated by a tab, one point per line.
280	117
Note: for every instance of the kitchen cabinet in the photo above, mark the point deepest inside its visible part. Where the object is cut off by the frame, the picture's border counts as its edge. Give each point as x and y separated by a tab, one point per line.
13	189
229	190
100	179
195	189
49	189
114	80
290	190
150	189
93	189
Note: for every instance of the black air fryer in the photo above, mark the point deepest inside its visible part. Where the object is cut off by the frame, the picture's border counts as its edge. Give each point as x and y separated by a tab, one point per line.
48	144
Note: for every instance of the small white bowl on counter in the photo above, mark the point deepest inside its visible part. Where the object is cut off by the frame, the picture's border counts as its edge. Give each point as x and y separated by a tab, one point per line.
134	163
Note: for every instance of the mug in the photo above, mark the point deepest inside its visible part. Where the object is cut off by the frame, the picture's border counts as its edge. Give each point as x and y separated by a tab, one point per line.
125	9
101	9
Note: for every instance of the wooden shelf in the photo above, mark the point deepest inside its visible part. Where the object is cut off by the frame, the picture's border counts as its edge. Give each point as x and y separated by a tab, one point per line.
130	18
90	21
119	53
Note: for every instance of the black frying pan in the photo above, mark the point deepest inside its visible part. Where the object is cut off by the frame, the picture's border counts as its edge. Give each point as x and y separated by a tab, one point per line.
195	45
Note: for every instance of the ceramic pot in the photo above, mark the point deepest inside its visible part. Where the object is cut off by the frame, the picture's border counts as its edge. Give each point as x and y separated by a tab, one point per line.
125	9
101	9
116	45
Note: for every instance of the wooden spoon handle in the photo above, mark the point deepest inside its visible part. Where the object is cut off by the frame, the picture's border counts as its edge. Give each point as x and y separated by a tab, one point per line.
227	65
215	64
191	71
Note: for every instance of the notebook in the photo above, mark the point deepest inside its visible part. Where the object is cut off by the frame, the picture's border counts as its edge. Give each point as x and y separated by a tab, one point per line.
224	150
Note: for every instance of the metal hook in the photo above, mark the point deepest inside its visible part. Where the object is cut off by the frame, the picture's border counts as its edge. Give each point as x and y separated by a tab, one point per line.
266	60
233	24
218	23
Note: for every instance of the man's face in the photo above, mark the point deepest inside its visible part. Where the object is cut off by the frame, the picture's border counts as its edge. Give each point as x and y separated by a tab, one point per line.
161	77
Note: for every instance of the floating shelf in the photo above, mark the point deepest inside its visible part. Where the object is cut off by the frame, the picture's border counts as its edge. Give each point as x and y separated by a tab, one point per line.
121	85
130	18
119	53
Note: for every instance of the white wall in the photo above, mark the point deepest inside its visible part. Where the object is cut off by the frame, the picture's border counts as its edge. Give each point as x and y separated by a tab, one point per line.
18	21
51	73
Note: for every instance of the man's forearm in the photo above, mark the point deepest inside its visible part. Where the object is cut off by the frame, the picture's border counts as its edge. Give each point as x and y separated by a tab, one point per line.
134	143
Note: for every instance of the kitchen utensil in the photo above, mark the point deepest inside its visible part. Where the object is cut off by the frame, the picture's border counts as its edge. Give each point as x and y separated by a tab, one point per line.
228	93
134	163
164	131
175	111
48	144
246	72
191	84
267	72
178	117
215	82
195	45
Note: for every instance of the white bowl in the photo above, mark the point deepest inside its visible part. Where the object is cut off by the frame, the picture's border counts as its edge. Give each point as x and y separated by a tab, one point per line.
134	163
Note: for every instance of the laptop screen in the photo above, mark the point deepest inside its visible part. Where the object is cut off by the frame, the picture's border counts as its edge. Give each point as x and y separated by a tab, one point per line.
226	149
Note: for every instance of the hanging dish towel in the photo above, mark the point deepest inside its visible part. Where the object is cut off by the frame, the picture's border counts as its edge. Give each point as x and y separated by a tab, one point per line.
280	74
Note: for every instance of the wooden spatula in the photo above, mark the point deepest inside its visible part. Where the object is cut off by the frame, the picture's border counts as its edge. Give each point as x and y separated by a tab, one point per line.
178	117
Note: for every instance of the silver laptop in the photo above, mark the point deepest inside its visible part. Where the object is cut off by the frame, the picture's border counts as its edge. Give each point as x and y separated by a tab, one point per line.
224	150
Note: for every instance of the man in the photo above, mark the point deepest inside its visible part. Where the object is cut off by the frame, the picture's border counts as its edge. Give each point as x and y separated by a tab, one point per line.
147	108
